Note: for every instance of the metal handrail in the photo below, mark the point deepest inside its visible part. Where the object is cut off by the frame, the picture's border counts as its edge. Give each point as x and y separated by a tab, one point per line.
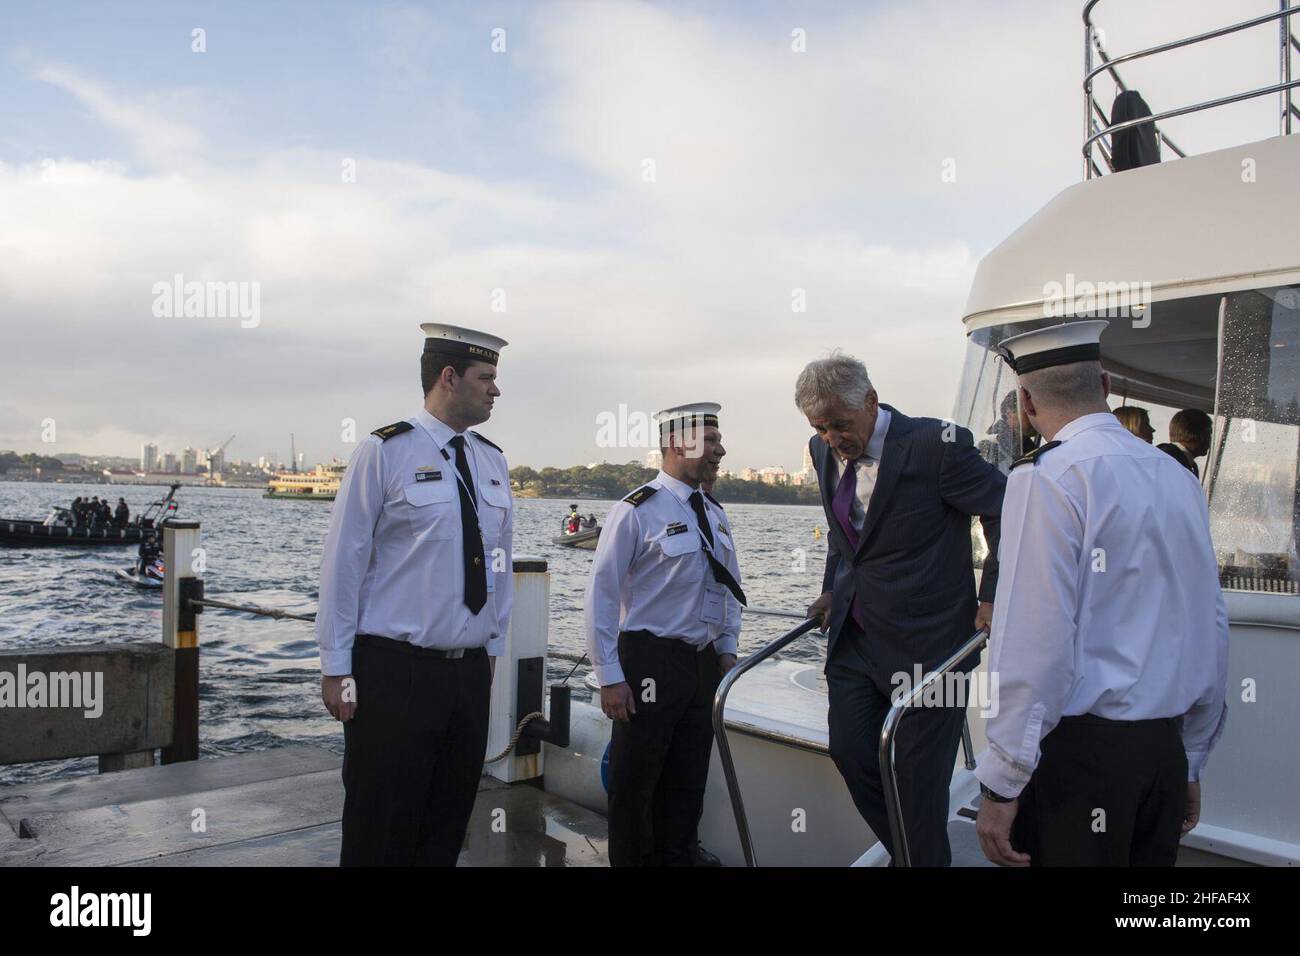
1284	86
720	728
1194	108
1176	44
889	773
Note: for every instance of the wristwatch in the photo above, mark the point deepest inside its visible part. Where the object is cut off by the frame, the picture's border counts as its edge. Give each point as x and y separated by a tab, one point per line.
988	794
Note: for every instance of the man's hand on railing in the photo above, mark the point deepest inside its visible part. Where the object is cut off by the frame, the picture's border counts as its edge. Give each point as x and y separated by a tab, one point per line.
617	701
340	696
725	663
821	609
984	616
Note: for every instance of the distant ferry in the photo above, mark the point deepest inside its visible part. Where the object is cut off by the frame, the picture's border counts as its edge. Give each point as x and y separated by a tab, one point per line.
320	484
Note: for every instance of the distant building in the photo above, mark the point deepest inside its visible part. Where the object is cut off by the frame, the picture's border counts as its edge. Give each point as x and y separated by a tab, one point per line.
169	463
749	474
774	475
189	461
655	459
148	458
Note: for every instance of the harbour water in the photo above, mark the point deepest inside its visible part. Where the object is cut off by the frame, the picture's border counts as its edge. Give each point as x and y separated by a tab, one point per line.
260	678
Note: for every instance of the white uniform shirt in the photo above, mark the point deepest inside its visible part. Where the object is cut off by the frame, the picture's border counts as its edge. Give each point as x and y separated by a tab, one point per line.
867	468
393	565
649	576
1108	599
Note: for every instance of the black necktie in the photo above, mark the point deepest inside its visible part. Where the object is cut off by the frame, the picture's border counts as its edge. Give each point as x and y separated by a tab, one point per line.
471	537
720	572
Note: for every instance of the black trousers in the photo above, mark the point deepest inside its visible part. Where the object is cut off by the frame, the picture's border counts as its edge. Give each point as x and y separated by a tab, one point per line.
659	759
925	750
413	753
1105	793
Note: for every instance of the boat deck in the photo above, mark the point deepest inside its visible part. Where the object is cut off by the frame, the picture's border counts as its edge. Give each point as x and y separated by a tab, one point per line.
271	808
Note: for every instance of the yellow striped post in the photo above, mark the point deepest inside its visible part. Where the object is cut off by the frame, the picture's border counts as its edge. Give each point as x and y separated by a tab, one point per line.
182	560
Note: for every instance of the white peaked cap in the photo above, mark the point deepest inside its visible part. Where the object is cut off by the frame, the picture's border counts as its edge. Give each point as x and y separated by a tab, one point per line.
455	340
698	413
1055	345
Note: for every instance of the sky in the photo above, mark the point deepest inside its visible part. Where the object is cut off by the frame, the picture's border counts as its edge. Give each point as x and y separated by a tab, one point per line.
653	203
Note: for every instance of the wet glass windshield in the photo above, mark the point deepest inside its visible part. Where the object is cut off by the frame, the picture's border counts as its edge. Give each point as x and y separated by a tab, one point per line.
1240	352
1256	446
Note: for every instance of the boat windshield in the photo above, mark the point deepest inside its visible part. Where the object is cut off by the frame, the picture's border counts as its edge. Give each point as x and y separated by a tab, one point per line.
1234	356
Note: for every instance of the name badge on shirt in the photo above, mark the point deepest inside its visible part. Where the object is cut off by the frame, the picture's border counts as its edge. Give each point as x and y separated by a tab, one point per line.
428	474
722	529
676	528
715	602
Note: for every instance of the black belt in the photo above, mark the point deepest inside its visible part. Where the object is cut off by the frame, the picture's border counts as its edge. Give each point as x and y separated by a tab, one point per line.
411	650
670	643
1095	721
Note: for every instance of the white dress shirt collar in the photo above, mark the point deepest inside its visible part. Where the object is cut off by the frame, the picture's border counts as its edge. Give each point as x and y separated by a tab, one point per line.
1085	422
876	447
438	430
680	488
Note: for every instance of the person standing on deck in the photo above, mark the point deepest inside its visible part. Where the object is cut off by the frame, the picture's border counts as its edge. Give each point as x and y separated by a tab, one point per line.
898	591
663	622
1110	633
415	598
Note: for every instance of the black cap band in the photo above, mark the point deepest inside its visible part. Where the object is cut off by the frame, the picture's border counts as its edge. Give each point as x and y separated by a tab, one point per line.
1040	360
685	421
461	350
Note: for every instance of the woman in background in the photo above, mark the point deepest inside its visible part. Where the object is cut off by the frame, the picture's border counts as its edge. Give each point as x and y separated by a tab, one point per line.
1137	421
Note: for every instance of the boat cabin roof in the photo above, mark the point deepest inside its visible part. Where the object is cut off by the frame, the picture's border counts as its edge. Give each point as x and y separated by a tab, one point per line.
1171	238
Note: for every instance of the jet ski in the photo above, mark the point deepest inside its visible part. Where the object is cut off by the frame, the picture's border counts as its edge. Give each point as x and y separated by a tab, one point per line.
151	578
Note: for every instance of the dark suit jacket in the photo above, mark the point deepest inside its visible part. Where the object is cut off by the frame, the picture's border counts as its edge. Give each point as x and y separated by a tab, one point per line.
912	571
1176	452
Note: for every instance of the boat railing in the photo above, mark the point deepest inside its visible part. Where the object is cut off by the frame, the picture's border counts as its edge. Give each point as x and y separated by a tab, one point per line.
1099	131
902	855
888	770
720	727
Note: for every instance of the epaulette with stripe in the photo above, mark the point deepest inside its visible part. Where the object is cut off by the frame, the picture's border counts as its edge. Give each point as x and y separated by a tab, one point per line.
1031	457
388	431
640	496
486	442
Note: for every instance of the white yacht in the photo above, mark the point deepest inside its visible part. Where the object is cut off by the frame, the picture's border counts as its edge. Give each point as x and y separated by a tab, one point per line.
1196	261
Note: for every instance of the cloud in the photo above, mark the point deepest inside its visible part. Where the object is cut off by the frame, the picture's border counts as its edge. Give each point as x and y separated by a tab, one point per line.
777	175
155	139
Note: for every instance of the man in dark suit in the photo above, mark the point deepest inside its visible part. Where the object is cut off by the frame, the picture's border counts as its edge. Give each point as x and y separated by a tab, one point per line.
899	586
1189	438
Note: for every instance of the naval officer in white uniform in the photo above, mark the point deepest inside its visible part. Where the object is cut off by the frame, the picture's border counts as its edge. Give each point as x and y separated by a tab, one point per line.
1110	634
415	597
663	620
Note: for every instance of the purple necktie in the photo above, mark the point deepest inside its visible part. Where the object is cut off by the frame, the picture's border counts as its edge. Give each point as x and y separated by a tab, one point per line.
842	508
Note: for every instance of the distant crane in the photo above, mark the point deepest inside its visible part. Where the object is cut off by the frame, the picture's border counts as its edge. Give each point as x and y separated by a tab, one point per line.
215	454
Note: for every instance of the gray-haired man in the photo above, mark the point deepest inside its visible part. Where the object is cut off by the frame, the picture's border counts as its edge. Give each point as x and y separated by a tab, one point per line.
899	586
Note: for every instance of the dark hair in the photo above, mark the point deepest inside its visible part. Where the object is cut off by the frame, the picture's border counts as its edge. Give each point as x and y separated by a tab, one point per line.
1189	425
432	364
